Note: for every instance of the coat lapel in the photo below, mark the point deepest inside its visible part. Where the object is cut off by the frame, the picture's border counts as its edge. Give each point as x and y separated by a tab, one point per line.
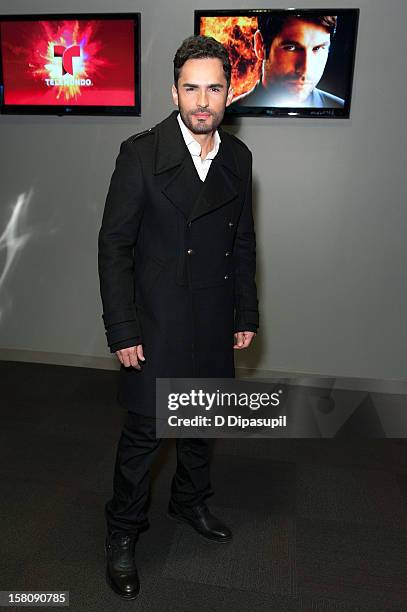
172	157
184	184
222	181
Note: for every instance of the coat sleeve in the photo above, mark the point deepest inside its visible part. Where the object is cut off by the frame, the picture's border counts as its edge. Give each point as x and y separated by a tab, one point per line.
117	236
246	302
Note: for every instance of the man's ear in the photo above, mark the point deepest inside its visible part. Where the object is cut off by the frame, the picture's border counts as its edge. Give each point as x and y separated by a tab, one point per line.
229	97
258	44
174	92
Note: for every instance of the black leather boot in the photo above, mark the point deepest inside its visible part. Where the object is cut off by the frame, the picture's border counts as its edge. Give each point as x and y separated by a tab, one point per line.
121	571
202	521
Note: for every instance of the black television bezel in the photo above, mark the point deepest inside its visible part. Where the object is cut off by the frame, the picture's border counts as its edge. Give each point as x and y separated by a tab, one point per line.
69	110
289	112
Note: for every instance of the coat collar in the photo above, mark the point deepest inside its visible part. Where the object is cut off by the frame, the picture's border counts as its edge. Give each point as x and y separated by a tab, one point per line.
170	148
193	145
171	156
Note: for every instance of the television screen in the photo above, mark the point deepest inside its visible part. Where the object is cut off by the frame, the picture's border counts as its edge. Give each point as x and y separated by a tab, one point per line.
288	62
70	64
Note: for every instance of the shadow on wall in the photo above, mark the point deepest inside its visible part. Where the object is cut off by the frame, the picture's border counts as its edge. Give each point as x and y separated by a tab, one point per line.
11	243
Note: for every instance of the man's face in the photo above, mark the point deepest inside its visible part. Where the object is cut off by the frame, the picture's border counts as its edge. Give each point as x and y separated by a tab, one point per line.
297	60
202	94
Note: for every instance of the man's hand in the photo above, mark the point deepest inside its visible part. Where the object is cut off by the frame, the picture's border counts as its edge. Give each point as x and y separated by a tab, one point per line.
243	339
131	356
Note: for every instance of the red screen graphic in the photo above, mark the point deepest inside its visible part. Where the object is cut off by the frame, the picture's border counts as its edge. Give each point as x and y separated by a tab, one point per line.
75	63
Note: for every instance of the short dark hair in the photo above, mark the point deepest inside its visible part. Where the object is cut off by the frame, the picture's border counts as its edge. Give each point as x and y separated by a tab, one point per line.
199	47
271	25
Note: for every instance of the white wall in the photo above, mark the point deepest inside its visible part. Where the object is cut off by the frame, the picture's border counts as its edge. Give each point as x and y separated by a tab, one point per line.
330	209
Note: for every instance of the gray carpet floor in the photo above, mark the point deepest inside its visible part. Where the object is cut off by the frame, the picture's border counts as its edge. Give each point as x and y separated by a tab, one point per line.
319	525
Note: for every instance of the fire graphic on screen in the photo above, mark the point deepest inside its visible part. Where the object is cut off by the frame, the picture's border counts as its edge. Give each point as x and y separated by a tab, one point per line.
66	58
236	34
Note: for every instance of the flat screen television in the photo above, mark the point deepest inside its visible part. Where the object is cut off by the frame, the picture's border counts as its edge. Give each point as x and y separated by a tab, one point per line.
70	64
287	62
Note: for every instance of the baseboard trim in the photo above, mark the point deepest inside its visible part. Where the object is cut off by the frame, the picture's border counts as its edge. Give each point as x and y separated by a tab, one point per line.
107	363
66	359
303	378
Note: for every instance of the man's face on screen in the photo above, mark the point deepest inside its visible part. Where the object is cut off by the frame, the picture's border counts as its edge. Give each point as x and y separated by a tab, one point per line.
297	60
202	94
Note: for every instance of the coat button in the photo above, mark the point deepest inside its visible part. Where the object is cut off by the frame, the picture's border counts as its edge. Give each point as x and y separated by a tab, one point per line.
226	277
190	251
227	254
231	223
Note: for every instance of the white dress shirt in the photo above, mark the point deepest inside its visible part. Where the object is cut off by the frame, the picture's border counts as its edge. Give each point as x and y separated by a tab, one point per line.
202	165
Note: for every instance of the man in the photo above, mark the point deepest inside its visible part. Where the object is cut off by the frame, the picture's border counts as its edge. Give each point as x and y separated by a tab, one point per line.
294	51
177	278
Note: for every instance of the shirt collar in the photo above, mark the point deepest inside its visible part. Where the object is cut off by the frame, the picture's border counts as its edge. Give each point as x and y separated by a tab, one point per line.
193	145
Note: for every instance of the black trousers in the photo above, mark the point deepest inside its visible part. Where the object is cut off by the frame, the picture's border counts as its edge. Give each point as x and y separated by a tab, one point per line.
136	450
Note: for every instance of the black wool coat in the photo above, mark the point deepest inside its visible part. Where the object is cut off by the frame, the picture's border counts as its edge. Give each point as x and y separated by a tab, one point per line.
177	260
